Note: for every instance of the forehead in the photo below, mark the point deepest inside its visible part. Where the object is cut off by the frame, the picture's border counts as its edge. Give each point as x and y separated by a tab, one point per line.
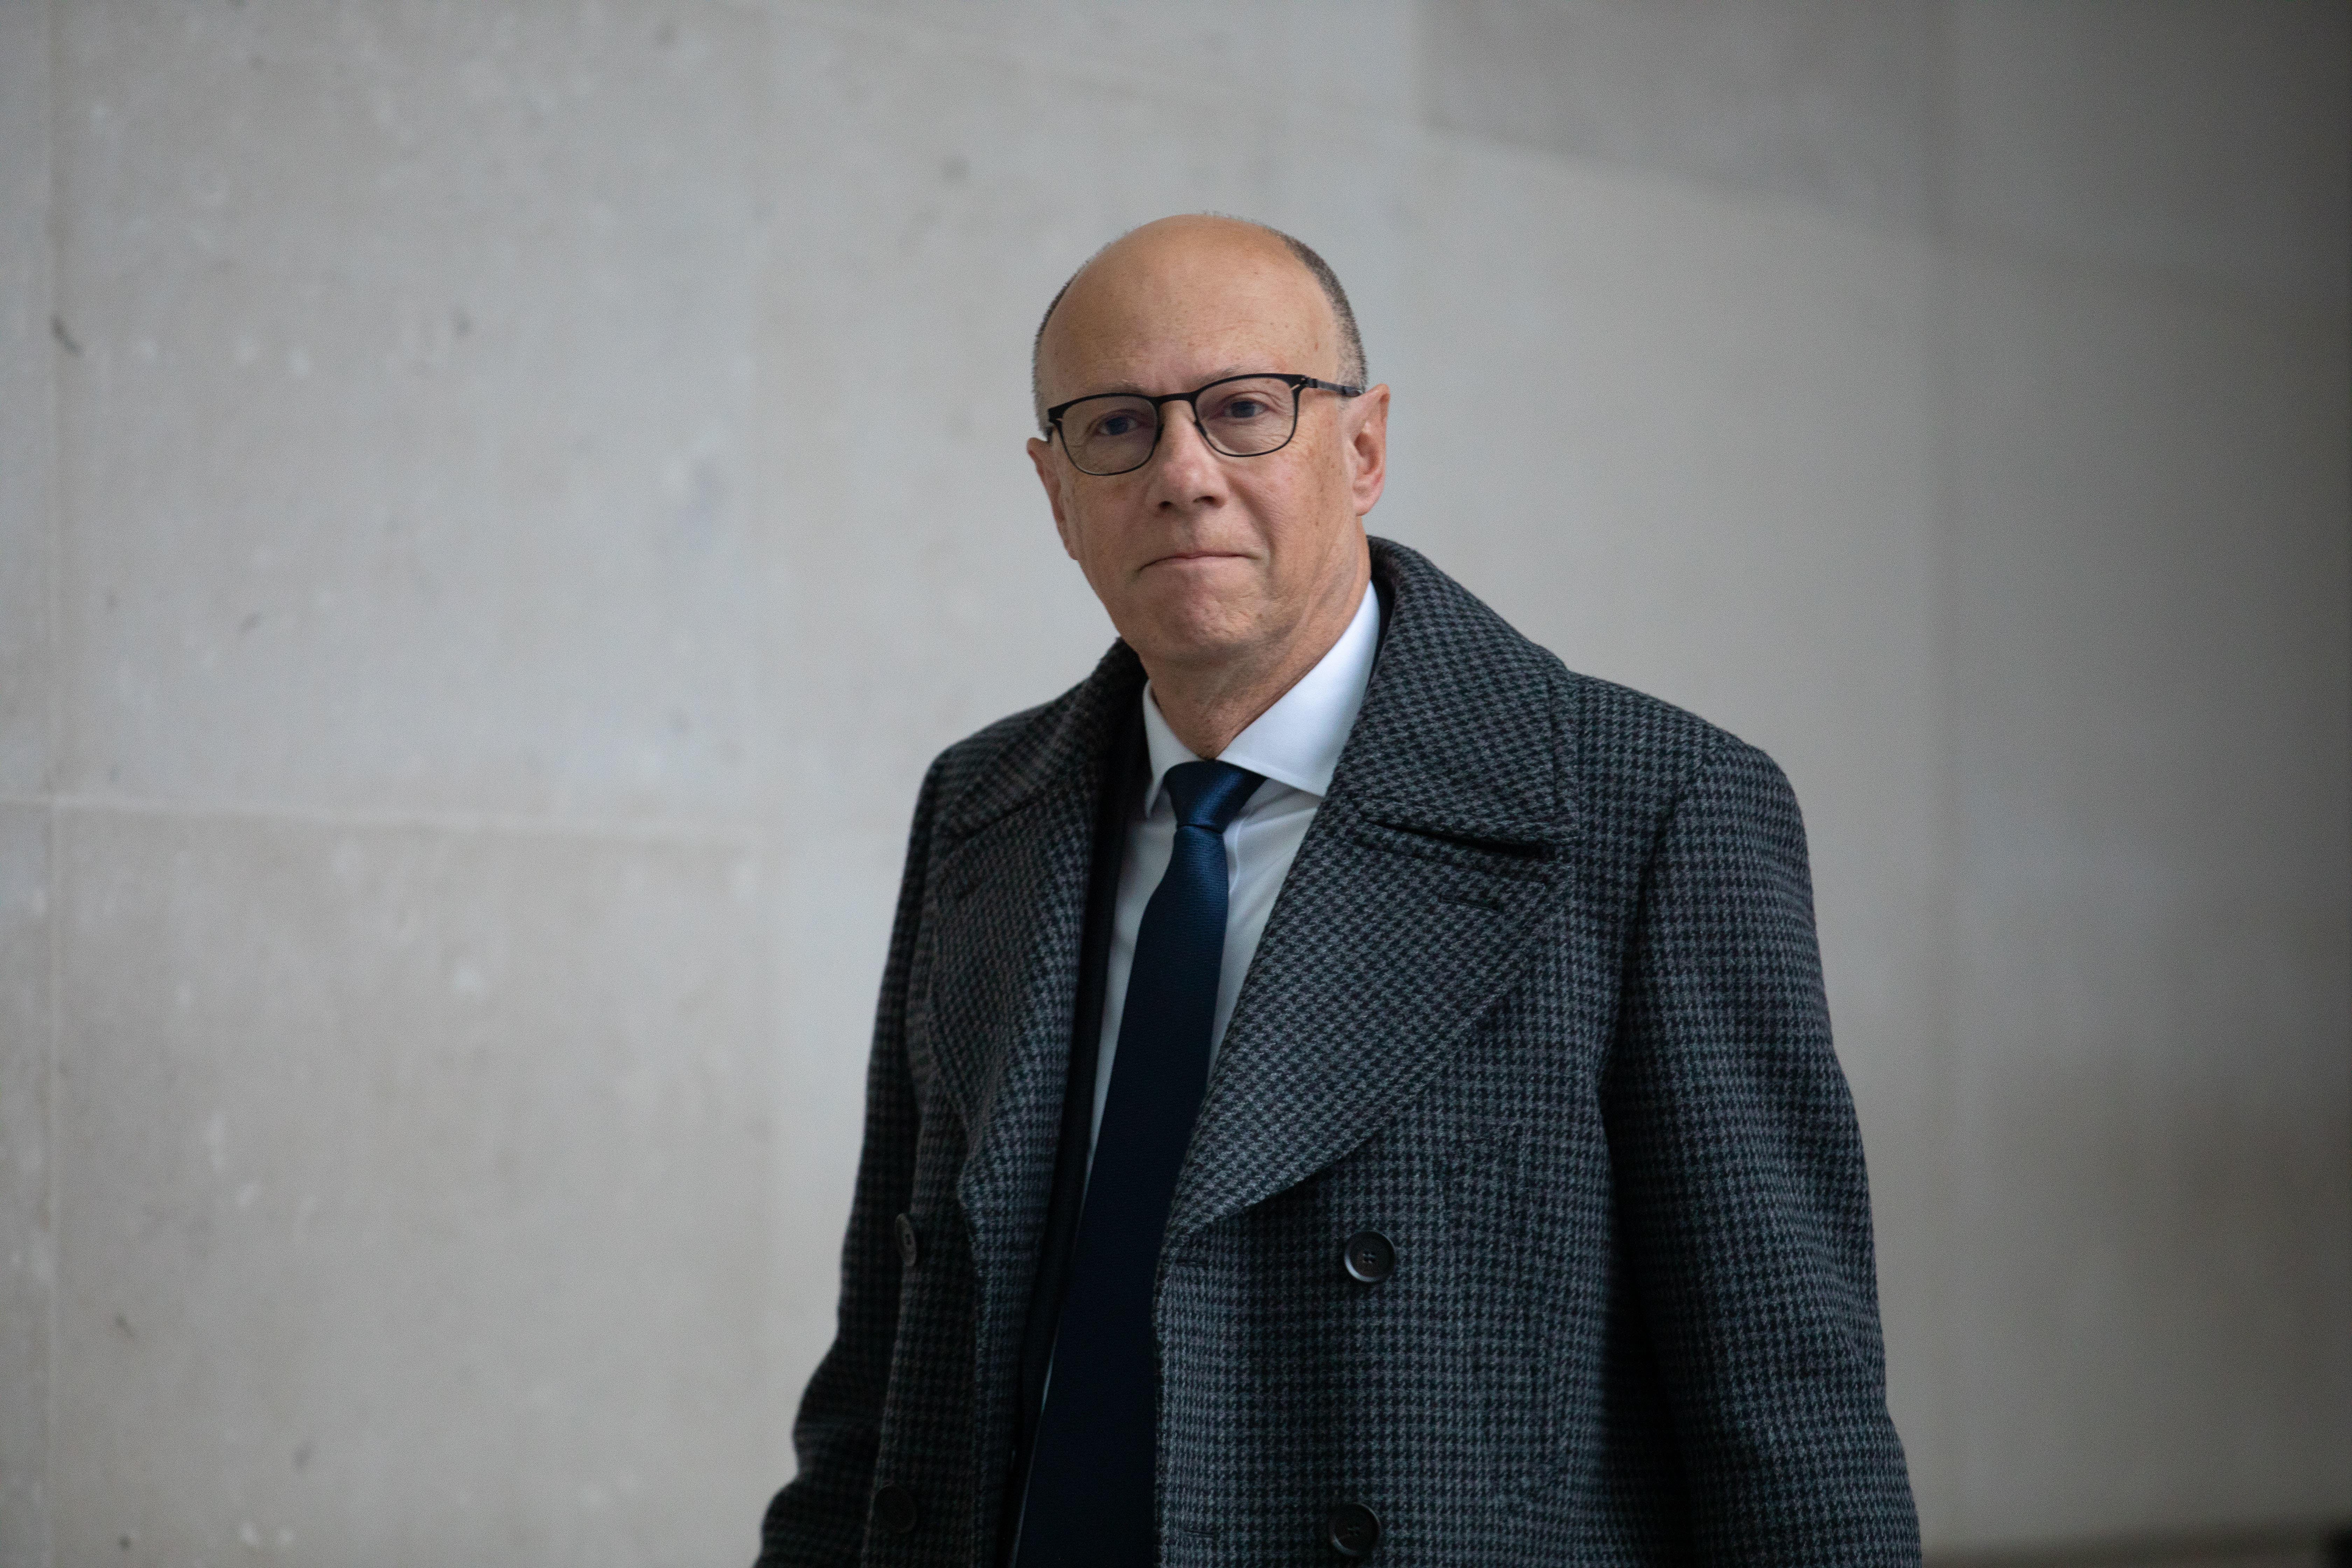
1163	316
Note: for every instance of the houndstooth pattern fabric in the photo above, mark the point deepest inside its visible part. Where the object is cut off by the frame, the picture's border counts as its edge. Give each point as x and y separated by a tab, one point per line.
1539	1001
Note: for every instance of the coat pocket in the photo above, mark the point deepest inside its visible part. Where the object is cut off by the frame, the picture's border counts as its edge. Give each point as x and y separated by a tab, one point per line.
1524	1245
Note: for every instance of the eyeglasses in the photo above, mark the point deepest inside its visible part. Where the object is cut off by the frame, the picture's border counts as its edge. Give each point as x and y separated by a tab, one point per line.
1240	417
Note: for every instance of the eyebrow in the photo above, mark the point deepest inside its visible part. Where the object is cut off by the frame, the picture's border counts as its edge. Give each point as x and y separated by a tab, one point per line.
1136	389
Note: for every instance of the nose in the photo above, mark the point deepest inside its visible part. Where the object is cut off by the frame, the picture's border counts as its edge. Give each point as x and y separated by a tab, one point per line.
1186	470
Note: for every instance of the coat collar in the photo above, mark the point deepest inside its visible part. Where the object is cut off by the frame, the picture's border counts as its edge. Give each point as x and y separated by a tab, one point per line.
1060	746
1456	725
1444	728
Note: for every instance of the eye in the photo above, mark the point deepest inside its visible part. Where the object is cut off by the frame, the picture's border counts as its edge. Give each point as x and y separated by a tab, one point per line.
1122	420
1247	403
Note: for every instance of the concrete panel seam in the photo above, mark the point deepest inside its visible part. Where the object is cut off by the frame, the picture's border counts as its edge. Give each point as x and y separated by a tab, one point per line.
51	1087
680	835
1759	205
1076	68
51	1069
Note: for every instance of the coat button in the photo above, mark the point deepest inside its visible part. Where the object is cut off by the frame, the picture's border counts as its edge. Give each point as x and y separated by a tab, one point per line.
894	1509
1354	1530
1368	1257
909	1247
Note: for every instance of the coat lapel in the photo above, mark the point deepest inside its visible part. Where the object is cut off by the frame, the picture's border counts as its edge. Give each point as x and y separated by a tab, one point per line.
1011	881
1438	852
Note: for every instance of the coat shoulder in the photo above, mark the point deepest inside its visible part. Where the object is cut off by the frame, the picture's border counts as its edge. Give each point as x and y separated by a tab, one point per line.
980	754
1628	743
1617	754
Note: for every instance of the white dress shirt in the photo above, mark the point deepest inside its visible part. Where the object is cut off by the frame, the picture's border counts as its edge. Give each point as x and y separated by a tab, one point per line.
1296	744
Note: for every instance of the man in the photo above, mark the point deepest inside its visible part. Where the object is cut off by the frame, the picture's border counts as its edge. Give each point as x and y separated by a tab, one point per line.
1344	1085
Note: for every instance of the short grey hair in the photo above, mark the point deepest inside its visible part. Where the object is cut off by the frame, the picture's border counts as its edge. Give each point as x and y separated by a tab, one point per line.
1352	341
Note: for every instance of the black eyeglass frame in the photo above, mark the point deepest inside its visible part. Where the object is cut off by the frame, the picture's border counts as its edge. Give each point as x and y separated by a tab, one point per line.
1298	384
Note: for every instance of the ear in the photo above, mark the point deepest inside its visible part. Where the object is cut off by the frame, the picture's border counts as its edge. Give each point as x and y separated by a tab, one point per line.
1367	432
1041	457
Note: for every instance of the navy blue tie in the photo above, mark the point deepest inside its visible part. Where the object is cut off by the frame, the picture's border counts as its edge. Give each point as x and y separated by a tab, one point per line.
1093	1469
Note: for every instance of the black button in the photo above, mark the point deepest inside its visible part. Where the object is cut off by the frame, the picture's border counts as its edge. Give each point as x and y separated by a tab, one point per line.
1369	1259
909	1247
894	1509
1354	1530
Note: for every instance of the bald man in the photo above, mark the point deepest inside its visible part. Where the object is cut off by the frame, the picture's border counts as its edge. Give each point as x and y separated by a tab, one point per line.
1344	1086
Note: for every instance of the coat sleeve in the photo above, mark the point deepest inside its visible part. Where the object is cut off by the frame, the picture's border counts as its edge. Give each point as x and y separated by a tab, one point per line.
820	1517
1739	1172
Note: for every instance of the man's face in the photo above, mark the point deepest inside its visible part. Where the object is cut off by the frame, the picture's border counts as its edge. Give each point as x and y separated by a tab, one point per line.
1206	561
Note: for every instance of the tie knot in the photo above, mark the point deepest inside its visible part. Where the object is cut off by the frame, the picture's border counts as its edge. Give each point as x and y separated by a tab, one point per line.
1208	795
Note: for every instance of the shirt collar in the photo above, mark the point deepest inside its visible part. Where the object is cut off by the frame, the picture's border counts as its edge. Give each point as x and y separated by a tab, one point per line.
1297	741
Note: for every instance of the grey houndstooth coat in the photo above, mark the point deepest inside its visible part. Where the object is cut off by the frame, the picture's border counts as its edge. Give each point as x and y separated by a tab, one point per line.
1540	1002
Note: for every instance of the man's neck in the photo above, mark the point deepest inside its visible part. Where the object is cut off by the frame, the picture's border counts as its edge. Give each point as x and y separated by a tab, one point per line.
1207	706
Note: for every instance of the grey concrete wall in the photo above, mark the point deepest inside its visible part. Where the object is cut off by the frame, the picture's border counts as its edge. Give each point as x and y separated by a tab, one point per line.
467	647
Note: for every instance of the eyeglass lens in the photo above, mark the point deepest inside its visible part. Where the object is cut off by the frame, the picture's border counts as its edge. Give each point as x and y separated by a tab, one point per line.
1241	418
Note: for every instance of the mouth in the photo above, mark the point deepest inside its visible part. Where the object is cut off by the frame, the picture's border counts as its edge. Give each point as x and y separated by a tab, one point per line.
1179	557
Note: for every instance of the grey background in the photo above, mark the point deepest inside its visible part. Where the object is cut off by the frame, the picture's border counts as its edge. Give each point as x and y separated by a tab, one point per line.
497	505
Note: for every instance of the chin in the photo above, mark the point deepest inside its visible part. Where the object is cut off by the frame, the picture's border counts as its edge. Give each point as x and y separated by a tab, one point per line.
1194	629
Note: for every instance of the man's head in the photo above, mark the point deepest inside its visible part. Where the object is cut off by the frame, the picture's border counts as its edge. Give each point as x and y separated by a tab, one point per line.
1214	568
